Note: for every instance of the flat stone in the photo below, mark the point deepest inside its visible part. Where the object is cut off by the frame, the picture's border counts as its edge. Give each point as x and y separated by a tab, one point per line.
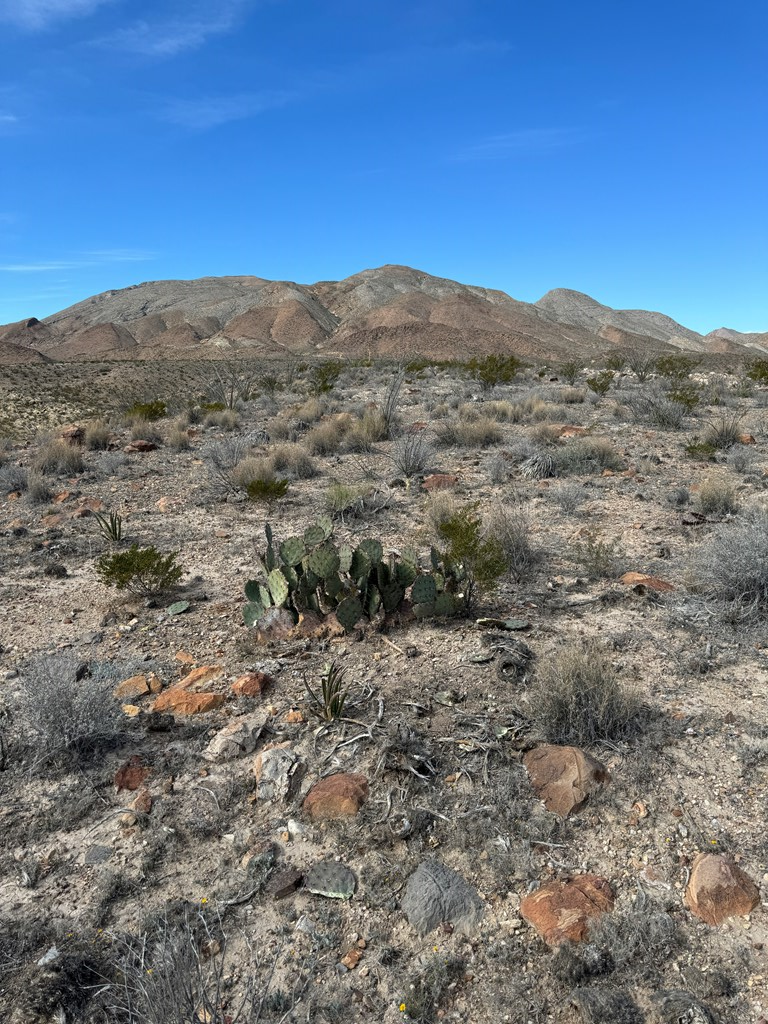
561	911
200	676
284	883
336	796
564	777
641	579
97	855
435	894
135	686
236	739
279	771
252	684
718	889
439	481
181	702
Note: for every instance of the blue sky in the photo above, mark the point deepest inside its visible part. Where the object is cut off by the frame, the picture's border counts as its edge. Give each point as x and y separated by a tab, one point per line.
618	149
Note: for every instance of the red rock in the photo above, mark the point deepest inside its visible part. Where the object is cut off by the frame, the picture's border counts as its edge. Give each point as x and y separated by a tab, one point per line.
718	889
132	774
135	686
572	431
59	498
142	802
74	435
294	717
746	439
183	702
51	522
641	579
163	504
252	684
561	911
140	446
184	658
336	796
439	481
564	777
200	676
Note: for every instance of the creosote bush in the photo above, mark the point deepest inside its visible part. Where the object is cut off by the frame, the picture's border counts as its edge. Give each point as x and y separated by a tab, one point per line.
577	699
147	410
476	557
493	370
266	490
141	571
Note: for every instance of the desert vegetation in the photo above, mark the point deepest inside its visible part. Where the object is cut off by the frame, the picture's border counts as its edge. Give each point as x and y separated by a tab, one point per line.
231	586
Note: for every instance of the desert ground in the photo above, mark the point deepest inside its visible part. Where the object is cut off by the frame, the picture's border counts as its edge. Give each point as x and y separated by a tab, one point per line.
508	806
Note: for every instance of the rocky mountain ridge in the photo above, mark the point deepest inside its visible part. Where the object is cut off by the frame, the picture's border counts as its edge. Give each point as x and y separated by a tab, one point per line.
387	311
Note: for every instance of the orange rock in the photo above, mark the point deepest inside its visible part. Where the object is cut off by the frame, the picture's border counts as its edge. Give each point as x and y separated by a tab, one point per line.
252	684
155	684
561	911
572	431
564	777
200	676
641	579
439	481
142	802
59	498
184	658
73	435
132	774
336	796
131	710
181	701
294	717
718	889
746	439
608	472
140	446
136	686
352	958
163	504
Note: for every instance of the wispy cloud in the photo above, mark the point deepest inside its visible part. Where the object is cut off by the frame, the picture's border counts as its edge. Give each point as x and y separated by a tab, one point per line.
168	36
527	142
86	259
37	15
209	112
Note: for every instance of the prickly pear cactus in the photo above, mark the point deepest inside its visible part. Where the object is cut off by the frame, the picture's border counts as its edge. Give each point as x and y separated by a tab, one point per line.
332	879
424	590
292	551
349	612
324	561
278	587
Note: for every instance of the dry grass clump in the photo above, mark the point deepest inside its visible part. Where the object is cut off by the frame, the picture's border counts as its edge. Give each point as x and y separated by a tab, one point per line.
310	412
327	436
510	525
441	507
716	496
224	419
145	430
38	489
367	431
178	438
13	478
293	461
97	435
568	495
571	396
577	699
279	428
527	409
250	469
479	433
732	563
586	455
724	430
58	456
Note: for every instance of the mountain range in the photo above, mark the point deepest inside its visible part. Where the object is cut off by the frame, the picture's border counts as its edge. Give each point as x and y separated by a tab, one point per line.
389	311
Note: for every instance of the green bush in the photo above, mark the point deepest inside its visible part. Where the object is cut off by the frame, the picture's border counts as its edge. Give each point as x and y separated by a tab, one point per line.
324	376
687	395
757	371
142	571
266	489
494	369
676	366
148	410
601	382
478	561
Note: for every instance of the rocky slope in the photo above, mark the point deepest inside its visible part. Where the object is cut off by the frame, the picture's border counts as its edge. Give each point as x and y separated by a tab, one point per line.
388	311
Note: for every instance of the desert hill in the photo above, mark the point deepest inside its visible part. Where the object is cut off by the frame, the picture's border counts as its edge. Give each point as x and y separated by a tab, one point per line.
387	311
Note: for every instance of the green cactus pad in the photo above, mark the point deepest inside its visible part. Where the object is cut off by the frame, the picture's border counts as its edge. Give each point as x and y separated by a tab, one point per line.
292	550
252	612
372	601
392	596
405	573
268	533
360	565
314	535
278	587
349	612
445	604
291	575
332	879
424	611
252	590
333	587
270	559
434	557
410	557
424	590
372	549
324	561
345	558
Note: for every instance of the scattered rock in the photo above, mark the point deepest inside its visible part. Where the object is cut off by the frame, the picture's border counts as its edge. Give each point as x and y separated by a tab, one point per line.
435	894
564	777
235	739
141	804
332	879
439	481
252	684
132	774
746	439
74	434
568	430
135	686
560	911
97	855
718	889
140	446
336	796
279	771
200	676
641	579
284	883
181	702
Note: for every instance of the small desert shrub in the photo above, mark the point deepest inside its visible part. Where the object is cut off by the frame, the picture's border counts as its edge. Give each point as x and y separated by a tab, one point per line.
225	419
539	465
266	489
58	456
757	371
741	458
600	384
146	411
577	699
13	478
281	429
251	468
679	496
685	394
323	377
178	438
598	558
569	372
460	434
497	468
69	711
676	366
310	412
571	396
585	455
38	489
477	557
716	496
222	459
412	453
723	431
326	437
346	499
544	433
292	460
141	571
367	431
97	435
441	507
493	370
568	495
698	449
642	364
145	430
732	564
511	526
657	410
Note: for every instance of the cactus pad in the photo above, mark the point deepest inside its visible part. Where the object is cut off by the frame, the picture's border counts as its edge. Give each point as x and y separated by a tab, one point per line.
292	550
372	549
424	590
252	612
391	596
324	561
278	587
424	611
445	604
314	535
345	558
332	879
349	612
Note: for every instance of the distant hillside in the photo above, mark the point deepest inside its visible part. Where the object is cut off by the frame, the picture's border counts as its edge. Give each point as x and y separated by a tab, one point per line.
389	311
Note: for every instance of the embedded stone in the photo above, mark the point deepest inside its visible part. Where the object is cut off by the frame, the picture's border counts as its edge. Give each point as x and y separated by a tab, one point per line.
564	777
561	911
435	895
718	889
336	796
252	684
279	771
181	702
